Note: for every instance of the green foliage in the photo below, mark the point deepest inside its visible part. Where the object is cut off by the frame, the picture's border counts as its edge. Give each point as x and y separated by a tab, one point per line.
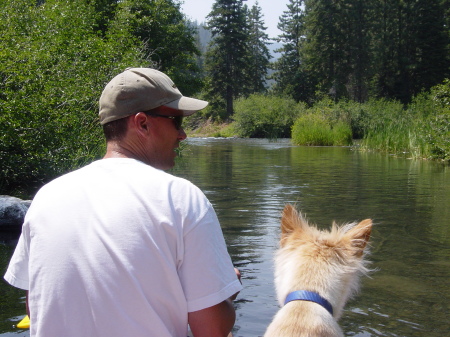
258	53
362	49
440	94
389	127
312	129
169	39
324	124
376	114
410	51
419	130
342	134
325	52
393	137
260	116
227	56
55	58
104	11
290	76
432	121
54	62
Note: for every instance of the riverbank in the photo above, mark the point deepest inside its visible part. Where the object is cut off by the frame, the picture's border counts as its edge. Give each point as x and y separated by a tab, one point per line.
208	128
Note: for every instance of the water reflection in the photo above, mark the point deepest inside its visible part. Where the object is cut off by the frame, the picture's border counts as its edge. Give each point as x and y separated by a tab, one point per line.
249	181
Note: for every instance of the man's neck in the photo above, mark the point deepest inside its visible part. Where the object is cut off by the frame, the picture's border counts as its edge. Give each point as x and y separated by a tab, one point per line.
114	150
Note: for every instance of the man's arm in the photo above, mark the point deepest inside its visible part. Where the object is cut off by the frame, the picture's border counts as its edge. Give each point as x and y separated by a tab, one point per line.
215	321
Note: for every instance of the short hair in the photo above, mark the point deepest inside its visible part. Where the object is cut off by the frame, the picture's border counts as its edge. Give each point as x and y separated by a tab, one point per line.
116	130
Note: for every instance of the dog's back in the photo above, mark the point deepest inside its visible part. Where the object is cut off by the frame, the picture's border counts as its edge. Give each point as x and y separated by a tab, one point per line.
319	270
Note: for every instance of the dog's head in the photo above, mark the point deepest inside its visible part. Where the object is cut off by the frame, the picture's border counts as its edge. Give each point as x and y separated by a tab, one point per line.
295	231
324	261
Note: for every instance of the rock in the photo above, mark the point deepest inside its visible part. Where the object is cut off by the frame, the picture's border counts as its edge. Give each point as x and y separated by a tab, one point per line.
12	213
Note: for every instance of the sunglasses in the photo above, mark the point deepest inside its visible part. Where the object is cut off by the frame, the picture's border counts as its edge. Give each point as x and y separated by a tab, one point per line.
177	120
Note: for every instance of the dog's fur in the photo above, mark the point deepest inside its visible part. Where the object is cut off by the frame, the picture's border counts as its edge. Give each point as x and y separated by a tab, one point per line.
326	262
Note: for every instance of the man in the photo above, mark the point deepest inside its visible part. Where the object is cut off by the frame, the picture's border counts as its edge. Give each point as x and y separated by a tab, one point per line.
120	247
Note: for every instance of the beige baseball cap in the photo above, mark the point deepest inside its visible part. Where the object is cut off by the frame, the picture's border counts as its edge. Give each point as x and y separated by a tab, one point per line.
142	89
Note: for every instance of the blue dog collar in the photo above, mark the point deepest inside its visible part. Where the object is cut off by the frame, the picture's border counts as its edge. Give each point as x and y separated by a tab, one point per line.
304	295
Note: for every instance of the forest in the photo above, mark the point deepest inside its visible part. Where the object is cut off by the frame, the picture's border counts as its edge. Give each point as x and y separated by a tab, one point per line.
366	73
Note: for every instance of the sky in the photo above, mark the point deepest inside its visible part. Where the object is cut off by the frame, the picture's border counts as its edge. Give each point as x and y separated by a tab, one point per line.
270	9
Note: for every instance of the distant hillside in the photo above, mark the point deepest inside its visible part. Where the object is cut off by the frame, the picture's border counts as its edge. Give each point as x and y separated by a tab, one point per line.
204	36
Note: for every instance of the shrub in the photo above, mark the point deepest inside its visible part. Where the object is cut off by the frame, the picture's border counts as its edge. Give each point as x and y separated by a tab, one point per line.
261	116
311	129
387	126
342	134
318	130
432	121
51	79
439	138
421	130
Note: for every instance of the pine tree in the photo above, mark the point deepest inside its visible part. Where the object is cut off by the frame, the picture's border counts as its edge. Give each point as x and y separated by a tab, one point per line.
410	47
430	62
290	76
326	51
358	49
259	54
358	30
227	55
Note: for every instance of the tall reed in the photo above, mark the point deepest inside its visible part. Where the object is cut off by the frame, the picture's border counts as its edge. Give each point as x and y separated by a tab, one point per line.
324	124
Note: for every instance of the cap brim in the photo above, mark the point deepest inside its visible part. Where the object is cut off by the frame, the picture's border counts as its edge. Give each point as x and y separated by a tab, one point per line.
187	104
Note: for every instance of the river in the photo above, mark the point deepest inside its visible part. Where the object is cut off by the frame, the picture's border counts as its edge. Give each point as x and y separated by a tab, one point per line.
250	180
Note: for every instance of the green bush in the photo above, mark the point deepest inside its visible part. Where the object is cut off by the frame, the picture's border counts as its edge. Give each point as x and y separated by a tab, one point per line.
261	116
432	121
317	130
52	74
419	130
386	126
342	134
439	137
312	129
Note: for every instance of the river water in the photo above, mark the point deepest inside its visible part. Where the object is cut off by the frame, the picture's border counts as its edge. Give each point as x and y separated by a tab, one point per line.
250	180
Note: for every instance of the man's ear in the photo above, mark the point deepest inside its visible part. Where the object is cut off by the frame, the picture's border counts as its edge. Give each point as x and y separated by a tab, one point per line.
140	122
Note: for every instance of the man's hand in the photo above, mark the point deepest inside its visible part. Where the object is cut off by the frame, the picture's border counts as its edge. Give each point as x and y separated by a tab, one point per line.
238	274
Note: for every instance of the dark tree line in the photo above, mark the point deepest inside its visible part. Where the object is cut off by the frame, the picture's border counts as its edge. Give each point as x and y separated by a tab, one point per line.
360	49
351	49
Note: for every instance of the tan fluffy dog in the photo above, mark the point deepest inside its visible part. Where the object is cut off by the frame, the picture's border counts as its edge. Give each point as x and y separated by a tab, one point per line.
319	271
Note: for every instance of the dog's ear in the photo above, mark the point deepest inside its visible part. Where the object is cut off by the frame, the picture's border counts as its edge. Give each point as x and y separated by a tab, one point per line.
359	236
291	220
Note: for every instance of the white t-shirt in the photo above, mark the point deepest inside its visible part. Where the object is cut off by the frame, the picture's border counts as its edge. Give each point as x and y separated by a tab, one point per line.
119	248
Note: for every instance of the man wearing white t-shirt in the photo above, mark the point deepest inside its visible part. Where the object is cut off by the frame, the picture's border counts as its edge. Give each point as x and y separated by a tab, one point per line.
120	247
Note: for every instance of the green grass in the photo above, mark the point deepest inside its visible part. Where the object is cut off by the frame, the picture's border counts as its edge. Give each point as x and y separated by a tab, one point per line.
316	130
